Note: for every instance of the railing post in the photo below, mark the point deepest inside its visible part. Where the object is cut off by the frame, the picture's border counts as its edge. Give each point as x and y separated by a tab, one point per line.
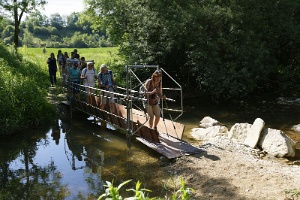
128	135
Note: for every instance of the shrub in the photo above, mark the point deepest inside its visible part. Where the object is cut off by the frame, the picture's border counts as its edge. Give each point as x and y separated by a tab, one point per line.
22	93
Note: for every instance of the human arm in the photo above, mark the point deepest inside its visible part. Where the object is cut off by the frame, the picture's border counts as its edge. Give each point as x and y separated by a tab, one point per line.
83	74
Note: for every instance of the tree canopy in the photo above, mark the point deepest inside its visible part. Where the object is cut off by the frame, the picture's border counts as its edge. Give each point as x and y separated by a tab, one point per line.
18	9
226	49
230	49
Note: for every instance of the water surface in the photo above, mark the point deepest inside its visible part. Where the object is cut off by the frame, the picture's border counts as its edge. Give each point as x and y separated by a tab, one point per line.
73	159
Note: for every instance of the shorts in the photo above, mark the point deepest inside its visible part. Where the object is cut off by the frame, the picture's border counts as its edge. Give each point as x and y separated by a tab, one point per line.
152	110
89	90
110	96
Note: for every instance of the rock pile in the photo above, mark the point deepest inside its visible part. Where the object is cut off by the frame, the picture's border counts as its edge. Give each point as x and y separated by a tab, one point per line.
246	137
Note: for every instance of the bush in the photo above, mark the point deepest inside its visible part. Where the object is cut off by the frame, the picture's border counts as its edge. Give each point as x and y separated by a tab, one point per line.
22	93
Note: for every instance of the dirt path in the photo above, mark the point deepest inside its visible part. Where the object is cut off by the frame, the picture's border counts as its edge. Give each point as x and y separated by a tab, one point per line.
221	172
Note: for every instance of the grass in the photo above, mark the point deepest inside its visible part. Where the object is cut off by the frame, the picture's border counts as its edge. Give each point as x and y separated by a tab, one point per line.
107	55
23	93
25	84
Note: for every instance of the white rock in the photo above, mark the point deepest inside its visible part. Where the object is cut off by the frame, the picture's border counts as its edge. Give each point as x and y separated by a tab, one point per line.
276	143
208	122
296	128
239	131
210	132
254	133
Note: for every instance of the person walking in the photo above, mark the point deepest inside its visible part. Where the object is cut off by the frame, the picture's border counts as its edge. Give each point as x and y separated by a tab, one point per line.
60	60
75	79
89	76
106	82
153	94
52	66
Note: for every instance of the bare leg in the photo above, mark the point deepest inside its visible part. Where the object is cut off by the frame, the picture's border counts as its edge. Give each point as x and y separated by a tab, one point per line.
112	107
151	121
156	121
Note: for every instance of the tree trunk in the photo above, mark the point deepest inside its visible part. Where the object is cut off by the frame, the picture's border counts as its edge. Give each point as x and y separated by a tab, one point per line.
17	26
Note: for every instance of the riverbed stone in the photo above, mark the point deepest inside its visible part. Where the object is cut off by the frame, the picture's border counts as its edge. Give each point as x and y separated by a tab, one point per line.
276	143
239	131
296	128
254	133
210	132
208	122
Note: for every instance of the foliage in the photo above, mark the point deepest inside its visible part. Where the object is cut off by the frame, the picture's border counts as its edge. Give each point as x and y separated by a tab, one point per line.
228	49
113	193
292	193
18	9
22	94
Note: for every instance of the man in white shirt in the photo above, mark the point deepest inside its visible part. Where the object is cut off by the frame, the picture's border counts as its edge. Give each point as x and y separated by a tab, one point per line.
89	76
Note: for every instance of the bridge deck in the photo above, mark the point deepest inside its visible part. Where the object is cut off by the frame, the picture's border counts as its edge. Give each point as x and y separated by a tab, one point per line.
166	140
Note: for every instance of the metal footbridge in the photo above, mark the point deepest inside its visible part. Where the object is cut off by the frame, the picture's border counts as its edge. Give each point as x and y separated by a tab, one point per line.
128	114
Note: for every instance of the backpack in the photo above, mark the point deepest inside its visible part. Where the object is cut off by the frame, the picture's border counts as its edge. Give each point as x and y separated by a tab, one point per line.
85	69
108	72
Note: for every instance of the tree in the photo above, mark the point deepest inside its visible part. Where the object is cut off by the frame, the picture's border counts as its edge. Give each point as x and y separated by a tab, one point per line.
18	9
231	48
56	21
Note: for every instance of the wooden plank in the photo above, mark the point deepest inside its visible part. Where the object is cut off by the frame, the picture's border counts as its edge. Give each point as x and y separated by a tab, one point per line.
121	110
100	113
106	116
114	120
145	132
171	147
170	128
93	110
122	122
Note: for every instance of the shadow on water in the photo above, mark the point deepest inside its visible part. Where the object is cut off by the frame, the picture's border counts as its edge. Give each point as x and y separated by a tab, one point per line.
72	160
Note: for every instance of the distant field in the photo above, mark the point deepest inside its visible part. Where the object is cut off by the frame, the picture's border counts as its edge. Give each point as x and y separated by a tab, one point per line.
99	55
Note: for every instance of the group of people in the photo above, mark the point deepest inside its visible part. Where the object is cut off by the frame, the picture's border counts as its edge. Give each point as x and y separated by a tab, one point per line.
77	71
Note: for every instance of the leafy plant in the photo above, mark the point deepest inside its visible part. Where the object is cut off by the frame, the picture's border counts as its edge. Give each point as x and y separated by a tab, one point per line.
139	193
113	193
183	193
292	193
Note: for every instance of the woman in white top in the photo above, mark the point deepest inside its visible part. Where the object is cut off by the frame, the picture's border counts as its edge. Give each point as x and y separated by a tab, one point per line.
89	76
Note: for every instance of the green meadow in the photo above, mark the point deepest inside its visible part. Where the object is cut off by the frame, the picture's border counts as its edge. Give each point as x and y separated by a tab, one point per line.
25	84
107	55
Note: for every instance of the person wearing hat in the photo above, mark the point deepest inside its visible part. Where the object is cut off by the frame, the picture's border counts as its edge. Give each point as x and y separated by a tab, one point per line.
153	94
106	82
89	76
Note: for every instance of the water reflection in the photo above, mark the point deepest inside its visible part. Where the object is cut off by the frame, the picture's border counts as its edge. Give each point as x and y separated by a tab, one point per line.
21	176
72	160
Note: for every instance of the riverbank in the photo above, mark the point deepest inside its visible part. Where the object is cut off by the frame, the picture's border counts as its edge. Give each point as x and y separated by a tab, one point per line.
220	172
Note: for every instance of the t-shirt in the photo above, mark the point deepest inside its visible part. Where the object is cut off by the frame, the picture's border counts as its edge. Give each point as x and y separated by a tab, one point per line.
60	57
106	79
74	74
90	76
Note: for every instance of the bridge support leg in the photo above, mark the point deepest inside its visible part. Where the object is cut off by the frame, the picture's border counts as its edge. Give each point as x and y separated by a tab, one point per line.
103	125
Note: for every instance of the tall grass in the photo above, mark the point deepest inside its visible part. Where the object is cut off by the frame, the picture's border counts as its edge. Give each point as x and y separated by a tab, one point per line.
25	83
107	55
104	55
23	92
